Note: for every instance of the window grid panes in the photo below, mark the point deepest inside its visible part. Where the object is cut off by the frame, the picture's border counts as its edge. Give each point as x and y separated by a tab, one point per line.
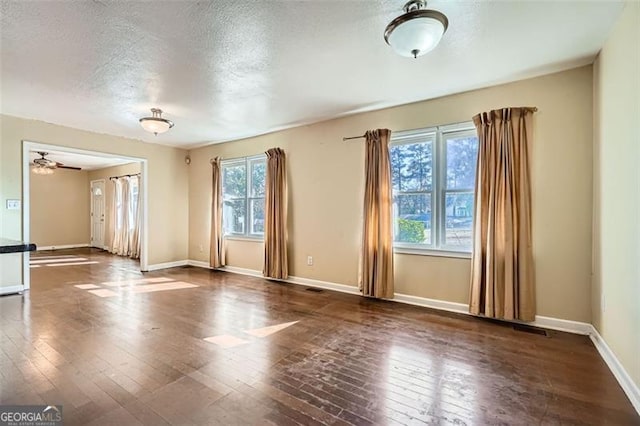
243	183
433	177
412	180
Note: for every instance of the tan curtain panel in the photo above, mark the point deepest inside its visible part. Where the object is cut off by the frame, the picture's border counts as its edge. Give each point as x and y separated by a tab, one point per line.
376	257
502	280
121	225
216	242
116	215
275	216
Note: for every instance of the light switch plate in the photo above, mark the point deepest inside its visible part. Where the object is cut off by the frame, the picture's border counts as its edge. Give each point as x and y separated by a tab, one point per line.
13	204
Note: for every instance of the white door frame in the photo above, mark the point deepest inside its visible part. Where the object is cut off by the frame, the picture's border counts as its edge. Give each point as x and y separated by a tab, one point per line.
28	146
104	207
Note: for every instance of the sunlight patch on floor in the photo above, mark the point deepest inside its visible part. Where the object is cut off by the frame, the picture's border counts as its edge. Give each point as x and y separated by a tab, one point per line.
226	341
103	292
137	281
267	331
86	286
149	288
68	259
36	257
90	262
129	287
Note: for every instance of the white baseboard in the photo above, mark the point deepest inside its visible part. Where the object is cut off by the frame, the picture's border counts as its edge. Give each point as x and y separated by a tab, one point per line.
618	370
576	327
61	247
443	305
166	265
342	288
199	264
12	289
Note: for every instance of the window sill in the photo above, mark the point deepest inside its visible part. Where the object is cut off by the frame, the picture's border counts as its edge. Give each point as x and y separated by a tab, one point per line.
243	238
431	252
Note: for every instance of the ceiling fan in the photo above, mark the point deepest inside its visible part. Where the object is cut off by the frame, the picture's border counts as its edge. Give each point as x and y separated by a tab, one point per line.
45	166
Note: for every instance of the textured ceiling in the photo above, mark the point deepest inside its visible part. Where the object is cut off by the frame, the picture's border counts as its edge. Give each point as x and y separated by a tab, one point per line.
225	70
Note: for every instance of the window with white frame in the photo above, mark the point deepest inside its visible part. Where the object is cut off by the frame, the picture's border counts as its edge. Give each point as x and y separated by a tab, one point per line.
433	175
243	181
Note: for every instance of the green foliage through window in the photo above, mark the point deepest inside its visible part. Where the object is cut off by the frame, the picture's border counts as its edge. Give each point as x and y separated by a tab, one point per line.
410	231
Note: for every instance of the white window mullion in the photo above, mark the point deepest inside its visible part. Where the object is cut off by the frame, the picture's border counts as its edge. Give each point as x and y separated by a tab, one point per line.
439	166
247	203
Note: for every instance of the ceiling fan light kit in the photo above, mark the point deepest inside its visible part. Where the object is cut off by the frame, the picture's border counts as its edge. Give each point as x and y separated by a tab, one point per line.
44	166
42	170
156	124
417	31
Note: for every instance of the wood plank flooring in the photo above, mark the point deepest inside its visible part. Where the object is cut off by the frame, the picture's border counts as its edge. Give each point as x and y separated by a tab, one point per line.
139	357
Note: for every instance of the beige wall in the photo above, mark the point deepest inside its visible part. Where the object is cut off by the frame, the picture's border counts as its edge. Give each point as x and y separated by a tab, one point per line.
59	213
168	195
326	181
105	174
616	248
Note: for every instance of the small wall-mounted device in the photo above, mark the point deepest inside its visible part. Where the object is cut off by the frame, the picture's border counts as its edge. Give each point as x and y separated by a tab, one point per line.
187	159
13	204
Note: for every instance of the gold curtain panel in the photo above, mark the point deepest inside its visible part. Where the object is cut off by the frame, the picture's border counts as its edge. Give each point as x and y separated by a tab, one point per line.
502	280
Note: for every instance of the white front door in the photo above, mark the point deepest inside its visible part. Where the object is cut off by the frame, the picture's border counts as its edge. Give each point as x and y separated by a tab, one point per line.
97	214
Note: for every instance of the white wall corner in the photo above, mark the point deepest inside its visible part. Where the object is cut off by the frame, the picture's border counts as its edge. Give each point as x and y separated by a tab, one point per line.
199	264
620	373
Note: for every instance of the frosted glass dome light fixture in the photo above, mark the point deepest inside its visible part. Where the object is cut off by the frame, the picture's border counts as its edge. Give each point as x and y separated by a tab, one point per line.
416	32
156	124
42	170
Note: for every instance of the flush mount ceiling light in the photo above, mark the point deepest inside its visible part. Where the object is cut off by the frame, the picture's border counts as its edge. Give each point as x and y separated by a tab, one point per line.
156	124
417	31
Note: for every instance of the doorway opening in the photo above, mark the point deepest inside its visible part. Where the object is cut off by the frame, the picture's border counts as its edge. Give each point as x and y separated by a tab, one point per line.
83	200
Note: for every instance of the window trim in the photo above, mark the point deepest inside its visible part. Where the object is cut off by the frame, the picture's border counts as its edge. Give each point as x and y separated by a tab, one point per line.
248	162
439	191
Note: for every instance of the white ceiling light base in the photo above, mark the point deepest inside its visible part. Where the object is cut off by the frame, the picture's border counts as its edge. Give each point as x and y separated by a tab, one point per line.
416	32
156	124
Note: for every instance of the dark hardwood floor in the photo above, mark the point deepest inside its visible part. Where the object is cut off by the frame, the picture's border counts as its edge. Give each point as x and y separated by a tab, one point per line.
130	353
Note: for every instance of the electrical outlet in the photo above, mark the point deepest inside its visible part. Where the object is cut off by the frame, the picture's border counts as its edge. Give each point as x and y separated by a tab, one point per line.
309	260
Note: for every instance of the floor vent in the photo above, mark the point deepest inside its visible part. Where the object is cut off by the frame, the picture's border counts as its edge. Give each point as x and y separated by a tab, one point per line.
530	329
315	290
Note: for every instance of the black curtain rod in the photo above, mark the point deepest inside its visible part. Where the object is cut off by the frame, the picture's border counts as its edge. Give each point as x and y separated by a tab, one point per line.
121	176
532	109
